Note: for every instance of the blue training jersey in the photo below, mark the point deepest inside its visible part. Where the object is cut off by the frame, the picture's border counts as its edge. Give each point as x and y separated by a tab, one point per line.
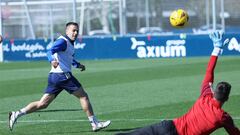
62	51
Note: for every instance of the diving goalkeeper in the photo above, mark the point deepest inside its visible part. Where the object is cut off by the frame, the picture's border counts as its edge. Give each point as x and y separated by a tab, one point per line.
206	115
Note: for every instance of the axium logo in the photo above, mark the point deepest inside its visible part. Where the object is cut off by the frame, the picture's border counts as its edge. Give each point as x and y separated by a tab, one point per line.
233	45
173	48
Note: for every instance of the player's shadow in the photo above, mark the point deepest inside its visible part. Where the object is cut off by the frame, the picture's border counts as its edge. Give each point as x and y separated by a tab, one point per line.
60	110
115	131
120	130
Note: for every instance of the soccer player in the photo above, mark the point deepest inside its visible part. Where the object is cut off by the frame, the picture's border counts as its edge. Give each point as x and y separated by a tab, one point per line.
60	77
206	115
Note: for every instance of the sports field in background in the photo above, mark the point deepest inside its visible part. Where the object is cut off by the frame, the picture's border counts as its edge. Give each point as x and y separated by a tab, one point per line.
131	93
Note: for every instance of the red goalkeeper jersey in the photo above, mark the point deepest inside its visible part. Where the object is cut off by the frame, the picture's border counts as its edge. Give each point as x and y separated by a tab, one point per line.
206	114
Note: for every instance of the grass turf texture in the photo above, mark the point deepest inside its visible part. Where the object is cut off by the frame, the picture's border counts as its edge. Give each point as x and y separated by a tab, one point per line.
131	93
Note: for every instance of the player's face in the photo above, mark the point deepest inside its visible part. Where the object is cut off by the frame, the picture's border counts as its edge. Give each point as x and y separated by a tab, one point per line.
72	32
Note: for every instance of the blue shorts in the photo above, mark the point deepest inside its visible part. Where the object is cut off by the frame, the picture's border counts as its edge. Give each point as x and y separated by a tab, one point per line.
59	81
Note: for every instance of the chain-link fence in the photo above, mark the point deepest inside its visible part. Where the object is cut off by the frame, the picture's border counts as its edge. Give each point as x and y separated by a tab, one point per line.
29	19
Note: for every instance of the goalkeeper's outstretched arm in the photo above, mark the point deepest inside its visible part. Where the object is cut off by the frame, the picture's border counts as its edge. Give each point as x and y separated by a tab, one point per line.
216	37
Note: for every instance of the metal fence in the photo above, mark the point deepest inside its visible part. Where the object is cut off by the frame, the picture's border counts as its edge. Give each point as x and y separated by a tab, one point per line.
31	19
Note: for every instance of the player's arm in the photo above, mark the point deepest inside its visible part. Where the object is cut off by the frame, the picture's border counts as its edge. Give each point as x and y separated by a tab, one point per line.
77	64
229	125
59	45
209	76
216	37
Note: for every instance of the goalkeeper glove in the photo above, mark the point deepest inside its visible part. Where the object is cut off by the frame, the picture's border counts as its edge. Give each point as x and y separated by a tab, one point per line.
216	37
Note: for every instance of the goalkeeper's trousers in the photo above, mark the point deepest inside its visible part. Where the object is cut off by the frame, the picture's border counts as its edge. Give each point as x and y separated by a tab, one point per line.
165	127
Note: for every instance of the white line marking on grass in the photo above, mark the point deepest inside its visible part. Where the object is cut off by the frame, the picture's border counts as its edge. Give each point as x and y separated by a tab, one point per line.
49	121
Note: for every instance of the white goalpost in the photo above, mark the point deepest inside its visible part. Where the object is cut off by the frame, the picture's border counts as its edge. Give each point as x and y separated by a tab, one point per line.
1	38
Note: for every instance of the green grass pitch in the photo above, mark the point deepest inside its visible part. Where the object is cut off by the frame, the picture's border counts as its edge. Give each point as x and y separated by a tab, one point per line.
132	93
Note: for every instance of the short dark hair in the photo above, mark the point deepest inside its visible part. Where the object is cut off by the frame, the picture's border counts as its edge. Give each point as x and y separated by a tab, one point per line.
222	91
71	23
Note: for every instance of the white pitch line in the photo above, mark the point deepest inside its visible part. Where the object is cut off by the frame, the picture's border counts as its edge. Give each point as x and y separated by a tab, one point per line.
49	121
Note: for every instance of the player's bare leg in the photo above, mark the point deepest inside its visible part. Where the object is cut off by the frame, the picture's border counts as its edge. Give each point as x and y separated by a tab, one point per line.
87	108
84	100
32	107
41	104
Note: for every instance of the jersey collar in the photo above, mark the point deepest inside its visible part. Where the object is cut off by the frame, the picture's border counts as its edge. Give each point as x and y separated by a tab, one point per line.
71	41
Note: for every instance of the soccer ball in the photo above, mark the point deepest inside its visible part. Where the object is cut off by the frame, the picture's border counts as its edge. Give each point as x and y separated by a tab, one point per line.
178	18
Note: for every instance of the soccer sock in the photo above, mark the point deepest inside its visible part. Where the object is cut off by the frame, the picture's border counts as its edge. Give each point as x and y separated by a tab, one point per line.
21	112
93	120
